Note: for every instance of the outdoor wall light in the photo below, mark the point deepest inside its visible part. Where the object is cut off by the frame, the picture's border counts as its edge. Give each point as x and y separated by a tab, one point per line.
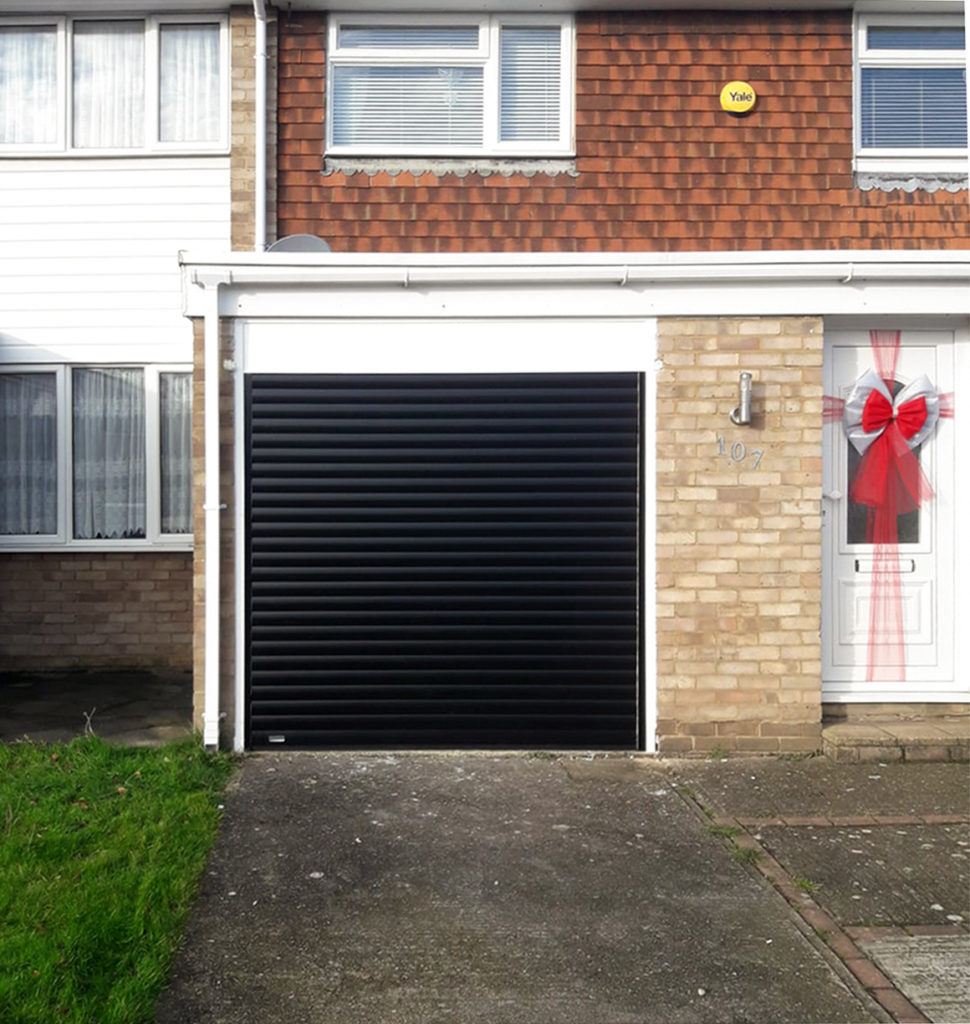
741	413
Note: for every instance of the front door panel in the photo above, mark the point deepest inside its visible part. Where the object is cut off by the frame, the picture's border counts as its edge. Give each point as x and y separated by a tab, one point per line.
921	563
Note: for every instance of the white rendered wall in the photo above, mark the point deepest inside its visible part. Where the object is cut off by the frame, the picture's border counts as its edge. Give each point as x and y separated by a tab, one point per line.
89	255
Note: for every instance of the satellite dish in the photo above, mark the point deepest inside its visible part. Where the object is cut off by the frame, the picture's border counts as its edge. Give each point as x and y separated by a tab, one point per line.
300	243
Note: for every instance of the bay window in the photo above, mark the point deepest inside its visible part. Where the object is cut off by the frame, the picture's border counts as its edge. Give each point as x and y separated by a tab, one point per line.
95	456
131	85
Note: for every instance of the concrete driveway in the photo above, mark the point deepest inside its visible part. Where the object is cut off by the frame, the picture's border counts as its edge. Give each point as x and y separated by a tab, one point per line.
463	888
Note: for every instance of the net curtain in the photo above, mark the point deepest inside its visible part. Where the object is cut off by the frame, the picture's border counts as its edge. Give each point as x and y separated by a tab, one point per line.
28	454
109	453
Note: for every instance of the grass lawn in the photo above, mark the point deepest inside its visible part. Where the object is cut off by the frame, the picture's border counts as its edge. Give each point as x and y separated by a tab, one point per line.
101	849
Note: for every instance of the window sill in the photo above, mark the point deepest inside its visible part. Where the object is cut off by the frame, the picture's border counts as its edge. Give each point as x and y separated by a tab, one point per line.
894	181
460	167
9	546
109	154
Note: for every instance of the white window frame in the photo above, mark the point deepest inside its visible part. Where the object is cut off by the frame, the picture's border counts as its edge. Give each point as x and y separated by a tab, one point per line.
485	56
63	146
903	160
154	539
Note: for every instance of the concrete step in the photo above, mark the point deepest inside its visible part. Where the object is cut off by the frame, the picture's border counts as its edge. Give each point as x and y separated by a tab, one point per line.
937	740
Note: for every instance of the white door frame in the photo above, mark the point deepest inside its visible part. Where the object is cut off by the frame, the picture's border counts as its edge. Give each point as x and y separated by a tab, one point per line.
472	345
956	689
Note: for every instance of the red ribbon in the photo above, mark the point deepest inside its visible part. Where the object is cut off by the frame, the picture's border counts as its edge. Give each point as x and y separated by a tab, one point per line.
889	479
878	413
890	482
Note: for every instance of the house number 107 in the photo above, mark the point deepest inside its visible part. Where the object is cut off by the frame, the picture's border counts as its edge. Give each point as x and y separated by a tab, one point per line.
738	452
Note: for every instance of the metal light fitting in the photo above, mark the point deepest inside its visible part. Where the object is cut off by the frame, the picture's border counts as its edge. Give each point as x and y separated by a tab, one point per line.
741	413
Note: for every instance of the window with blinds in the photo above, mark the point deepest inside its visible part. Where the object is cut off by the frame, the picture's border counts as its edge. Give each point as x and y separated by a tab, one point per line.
911	86
496	85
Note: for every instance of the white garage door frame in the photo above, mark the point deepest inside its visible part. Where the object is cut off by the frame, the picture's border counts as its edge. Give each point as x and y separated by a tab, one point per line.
522	344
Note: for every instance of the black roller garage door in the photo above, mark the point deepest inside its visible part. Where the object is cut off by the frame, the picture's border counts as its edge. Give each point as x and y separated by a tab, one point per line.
443	560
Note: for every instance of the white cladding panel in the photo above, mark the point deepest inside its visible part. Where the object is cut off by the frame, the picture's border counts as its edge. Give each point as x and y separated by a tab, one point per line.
89	255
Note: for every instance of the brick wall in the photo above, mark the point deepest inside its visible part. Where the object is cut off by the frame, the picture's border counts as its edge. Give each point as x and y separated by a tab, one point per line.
243	110
659	166
227	533
739	544
96	610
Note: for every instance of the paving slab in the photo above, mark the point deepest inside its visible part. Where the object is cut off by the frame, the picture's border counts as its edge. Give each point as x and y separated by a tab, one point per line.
934	971
779	787
467	888
133	707
880	876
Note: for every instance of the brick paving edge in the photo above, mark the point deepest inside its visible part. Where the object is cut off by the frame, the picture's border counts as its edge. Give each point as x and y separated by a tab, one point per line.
857	969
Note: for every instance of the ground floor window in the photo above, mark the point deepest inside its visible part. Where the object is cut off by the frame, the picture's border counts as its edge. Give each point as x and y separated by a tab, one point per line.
95	454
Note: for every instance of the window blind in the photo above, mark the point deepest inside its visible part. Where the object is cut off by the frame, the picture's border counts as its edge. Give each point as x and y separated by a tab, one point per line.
417	37
407	106
914	107
529	89
920	37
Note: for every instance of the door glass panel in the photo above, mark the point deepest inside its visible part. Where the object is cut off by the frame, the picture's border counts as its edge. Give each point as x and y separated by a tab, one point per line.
858	529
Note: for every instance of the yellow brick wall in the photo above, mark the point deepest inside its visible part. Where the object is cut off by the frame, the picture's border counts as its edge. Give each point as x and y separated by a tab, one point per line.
227	534
243	109
738	536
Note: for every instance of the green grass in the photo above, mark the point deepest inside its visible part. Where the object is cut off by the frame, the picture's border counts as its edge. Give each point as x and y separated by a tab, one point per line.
745	854
101	849
727	831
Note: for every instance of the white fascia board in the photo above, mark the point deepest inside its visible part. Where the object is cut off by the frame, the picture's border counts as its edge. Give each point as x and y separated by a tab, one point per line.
626	284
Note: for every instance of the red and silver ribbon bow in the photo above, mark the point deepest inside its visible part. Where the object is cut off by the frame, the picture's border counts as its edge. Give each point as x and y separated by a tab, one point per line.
886	431
870	409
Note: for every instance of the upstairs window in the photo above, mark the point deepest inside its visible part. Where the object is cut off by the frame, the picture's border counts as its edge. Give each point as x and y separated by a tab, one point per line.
130	85
911	91
454	86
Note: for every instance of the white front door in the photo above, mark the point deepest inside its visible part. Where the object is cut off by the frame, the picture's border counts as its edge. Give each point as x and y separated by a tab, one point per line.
915	651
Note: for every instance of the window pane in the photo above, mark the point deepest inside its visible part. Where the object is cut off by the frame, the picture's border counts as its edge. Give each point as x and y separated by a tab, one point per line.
28	84
902	37
914	107
407	106
109	453
421	37
529	90
189	83
175	396
109	84
860	518
28	454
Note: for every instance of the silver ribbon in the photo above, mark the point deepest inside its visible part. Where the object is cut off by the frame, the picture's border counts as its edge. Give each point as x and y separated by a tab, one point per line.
856	400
